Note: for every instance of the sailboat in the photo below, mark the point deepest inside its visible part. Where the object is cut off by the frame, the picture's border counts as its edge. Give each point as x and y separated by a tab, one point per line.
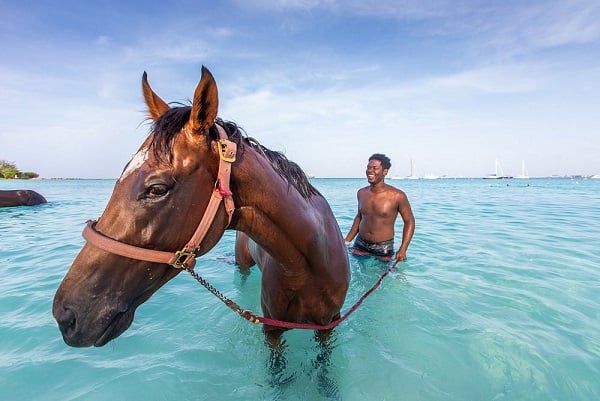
524	175
498	174
412	175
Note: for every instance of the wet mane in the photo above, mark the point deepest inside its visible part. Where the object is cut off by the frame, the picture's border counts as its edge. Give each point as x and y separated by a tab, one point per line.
170	124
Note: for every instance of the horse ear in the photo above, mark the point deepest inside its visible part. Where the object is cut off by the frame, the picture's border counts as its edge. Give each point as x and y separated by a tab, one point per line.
156	106
206	103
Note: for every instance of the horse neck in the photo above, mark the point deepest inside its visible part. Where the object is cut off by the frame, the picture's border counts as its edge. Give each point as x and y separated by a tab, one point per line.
269	209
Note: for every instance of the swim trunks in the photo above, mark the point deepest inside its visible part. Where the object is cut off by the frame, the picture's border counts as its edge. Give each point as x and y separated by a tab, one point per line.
383	250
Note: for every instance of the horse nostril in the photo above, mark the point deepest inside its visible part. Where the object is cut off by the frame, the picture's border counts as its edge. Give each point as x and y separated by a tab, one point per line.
66	320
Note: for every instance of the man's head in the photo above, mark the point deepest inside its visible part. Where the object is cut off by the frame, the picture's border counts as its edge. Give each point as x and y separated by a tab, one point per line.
378	167
385	161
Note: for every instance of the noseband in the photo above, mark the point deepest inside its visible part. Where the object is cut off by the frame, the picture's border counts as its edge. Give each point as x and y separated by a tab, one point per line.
186	257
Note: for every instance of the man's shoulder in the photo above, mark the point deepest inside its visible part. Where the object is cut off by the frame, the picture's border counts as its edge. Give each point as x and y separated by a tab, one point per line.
396	191
393	188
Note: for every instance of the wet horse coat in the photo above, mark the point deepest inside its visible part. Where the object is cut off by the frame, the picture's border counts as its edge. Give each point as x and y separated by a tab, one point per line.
20	197
284	225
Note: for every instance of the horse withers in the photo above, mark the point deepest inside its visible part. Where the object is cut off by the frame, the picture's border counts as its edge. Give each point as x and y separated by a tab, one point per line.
284	225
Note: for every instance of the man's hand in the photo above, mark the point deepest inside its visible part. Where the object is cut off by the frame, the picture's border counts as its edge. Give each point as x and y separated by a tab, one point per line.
400	256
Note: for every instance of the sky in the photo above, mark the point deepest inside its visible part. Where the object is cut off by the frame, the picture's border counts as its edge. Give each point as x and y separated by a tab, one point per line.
452	86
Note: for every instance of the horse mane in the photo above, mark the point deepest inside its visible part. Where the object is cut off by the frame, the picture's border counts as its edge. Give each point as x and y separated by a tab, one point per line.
170	124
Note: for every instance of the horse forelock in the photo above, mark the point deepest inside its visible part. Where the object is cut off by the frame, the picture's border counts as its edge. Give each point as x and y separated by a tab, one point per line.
165	129
172	122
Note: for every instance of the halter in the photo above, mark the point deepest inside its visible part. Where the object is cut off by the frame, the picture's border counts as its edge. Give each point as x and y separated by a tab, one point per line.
186	257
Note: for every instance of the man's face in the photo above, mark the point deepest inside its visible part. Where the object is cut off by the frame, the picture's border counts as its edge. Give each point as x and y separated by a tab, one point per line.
375	172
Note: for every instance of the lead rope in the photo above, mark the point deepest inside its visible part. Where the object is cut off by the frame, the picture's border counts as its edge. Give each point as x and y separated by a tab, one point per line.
253	318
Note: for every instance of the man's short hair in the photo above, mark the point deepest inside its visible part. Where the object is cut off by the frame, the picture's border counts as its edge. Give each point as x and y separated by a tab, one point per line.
385	161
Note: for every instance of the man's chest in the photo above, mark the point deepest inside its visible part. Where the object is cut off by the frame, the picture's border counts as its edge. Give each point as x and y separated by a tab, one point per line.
377	206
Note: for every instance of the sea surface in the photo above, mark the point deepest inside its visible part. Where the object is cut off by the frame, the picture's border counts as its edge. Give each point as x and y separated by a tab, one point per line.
499	300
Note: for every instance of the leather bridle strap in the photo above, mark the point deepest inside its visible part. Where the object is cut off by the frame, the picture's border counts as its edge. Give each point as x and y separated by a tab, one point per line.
227	151
108	244
186	257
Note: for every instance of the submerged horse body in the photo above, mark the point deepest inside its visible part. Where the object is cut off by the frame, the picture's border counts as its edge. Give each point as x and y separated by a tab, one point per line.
284	225
20	197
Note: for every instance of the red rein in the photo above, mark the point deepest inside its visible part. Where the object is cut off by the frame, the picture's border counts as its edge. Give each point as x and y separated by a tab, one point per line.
251	317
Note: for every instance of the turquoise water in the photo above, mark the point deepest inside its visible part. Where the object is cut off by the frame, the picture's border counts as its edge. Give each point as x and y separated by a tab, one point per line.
499	300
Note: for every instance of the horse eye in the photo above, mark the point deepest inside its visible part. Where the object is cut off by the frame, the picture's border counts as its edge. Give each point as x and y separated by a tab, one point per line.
156	191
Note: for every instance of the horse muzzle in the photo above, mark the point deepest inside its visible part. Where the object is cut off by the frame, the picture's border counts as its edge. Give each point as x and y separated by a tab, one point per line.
80	328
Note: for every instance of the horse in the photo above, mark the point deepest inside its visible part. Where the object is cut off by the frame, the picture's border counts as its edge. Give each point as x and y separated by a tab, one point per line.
190	166
20	197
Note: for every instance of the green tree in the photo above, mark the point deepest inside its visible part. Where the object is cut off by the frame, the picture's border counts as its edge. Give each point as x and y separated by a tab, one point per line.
5	164
28	175
9	170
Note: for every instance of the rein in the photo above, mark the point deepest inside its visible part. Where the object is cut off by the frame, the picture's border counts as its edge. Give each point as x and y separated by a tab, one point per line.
253	318
186	257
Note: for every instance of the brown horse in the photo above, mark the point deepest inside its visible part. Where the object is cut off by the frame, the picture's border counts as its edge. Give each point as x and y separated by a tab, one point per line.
20	197
284	225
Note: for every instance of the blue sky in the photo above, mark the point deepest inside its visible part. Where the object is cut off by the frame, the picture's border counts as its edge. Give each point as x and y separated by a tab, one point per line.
451	85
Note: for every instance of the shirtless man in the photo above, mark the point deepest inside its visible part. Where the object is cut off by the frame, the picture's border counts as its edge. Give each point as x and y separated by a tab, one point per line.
378	207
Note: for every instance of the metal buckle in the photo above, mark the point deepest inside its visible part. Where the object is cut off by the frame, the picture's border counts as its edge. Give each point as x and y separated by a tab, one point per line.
223	144
183	257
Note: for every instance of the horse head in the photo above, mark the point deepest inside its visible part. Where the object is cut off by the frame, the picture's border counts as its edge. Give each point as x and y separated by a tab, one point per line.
156	204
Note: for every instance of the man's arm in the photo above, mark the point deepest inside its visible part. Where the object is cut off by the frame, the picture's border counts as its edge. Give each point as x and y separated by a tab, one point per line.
355	223
409	226
354	229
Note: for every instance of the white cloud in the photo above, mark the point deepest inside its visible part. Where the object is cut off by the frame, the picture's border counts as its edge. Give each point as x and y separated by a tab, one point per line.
515	78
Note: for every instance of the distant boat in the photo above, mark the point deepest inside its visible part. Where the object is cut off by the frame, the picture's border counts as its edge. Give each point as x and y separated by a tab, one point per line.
595	176
524	175
498	174
412	175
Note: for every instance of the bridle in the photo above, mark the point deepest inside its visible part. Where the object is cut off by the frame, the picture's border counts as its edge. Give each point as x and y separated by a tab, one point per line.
185	258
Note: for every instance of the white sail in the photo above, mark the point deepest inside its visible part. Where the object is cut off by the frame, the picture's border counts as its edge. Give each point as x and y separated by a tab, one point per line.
524	174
